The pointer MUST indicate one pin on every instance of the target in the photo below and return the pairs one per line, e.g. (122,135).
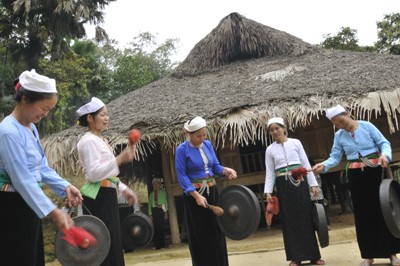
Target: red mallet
(79,237)
(298,172)
(134,136)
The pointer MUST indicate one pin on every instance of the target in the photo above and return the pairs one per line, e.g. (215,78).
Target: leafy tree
(8,72)
(389,34)
(71,76)
(117,72)
(142,63)
(38,28)
(345,39)
(101,59)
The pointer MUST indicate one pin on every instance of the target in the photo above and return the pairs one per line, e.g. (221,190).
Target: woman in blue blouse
(23,171)
(196,164)
(367,152)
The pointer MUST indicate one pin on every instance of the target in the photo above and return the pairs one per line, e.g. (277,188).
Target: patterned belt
(108,183)
(10,187)
(284,171)
(203,184)
(358,165)
(198,183)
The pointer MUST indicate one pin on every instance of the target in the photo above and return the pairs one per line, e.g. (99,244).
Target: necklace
(288,175)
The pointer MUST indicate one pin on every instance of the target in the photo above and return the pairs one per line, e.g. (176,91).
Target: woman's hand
(383,161)
(200,200)
(314,190)
(61,219)
(269,198)
(230,173)
(74,196)
(127,154)
(318,168)
(130,196)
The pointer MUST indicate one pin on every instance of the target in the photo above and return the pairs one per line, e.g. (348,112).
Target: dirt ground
(264,247)
(338,254)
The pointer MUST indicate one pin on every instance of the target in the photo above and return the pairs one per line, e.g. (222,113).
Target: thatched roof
(237,77)
(238,38)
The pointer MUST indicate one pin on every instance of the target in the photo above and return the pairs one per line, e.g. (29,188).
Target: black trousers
(105,207)
(207,243)
(297,223)
(373,237)
(21,238)
(158,221)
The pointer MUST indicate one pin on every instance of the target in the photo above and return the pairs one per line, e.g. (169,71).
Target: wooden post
(173,217)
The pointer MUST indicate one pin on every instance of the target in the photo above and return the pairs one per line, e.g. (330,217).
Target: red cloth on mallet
(271,210)
(78,236)
(298,172)
(134,136)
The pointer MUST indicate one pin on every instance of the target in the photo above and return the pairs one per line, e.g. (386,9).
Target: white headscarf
(334,111)
(195,124)
(91,107)
(275,120)
(32,81)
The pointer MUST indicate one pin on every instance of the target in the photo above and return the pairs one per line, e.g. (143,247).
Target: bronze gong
(241,212)
(320,223)
(137,231)
(69,255)
(389,194)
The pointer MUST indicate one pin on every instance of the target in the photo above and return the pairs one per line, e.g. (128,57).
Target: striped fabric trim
(357,165)
(7,188)
(286,170)
(108,183)
(199,185)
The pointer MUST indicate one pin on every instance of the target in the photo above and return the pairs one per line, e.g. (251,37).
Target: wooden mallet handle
(215,209)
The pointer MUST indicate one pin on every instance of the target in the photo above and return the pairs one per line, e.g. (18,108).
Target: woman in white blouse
(281,157)
(101,168)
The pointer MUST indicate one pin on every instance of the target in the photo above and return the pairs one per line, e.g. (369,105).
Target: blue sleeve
(180,167)
(16,164)
(336,153)
(380,141)
(51,177)
(54,180)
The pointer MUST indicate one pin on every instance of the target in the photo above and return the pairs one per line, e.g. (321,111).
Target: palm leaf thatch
(237,77)
(237,38)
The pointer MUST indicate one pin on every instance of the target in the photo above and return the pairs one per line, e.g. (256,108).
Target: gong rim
(242,212)
(137,231)
(69,255)
(389,194)
(321,225)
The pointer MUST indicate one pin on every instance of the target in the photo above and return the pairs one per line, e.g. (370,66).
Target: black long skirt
(105,207)
(159,233)
(21,238)
(207,243)
(373,237)
(297,223)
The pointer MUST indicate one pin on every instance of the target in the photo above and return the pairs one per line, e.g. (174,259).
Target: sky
(190,21)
